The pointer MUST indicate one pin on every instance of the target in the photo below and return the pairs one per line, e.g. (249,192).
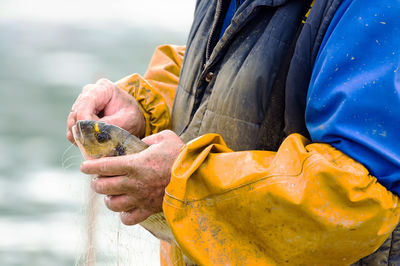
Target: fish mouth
(77,133)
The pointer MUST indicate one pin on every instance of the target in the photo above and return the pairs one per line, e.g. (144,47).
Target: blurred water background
(49,49)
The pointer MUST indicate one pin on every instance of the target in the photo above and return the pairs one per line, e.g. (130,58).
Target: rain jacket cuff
(150,101)
(155,92)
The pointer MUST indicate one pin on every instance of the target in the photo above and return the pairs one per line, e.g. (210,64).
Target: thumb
(86,115)
(159,137)
(114,119)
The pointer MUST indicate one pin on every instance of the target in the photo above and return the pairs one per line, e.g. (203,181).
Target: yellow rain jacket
(155,92)
(306,204)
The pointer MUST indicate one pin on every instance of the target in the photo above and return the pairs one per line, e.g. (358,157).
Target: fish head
(97,139)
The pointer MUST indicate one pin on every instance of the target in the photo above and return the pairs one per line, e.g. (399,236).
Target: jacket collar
(244,14)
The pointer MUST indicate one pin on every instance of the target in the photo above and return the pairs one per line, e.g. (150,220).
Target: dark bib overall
(250,86)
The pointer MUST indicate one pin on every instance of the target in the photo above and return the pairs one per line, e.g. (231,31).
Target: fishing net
(107,241)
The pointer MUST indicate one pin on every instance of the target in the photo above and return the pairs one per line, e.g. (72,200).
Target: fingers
(119,203)
(159,137)
(120,197)
(126,204)
(73,117)
(110,185)
(134,216)
(92,100)
(71,121)
(116,119)
(109,166)
(123,111)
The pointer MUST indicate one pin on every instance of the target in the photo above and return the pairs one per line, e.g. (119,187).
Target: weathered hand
(117,106)
(135,183)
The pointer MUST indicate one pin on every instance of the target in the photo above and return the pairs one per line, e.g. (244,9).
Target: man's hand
(135,183)
(117,107)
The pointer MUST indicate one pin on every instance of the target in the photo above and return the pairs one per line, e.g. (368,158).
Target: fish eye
(103,137)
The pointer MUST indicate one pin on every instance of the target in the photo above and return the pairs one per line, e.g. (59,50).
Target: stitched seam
(234,118)
(241,186)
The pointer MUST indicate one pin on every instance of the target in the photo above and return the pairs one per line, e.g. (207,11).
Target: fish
(98,139)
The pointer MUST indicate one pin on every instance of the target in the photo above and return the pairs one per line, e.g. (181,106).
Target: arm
(308,203)
(353,99)
(148,111)
(164,69)
(155,92)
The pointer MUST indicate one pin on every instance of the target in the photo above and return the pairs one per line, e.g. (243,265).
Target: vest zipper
(210,45)
(214,29)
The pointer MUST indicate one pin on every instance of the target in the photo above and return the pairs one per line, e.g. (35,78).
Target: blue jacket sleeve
(353,101)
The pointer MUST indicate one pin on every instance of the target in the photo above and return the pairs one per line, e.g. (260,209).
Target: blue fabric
(229,15)
(353,100)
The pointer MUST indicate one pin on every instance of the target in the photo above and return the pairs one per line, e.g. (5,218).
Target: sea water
(49,49)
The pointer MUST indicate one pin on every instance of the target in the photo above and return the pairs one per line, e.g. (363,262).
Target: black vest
(251,87)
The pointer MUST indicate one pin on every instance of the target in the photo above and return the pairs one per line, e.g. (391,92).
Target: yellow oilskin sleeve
(150,101)
(306,204)
(163,71)
(156,90)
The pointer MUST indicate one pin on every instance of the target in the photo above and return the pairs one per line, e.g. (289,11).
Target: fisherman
(305,166)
